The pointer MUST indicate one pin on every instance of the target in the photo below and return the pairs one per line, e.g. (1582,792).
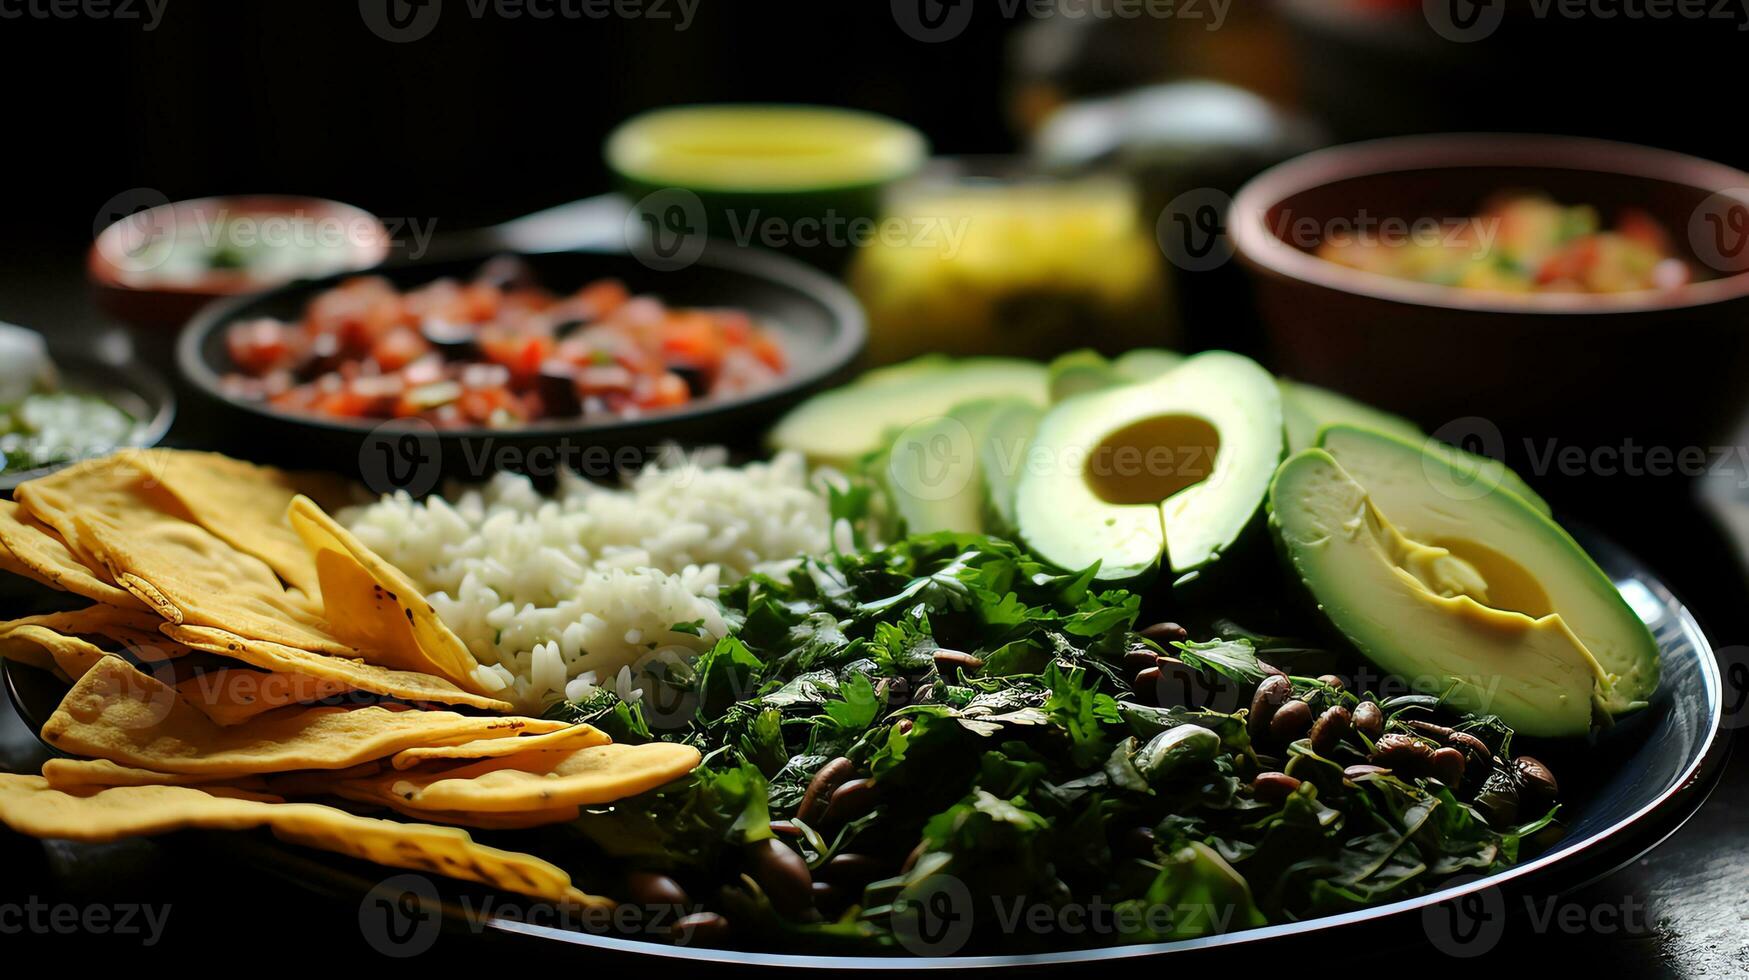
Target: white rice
(555,596)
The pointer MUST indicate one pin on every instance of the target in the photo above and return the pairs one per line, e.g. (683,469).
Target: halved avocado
(1146,363)
(1409,606)
(1308,408)
(1179,465)
(1530,564)
(846,424)
(1475,469)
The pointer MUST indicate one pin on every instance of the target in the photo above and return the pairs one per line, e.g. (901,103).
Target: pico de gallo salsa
(1523,243)
(497,351)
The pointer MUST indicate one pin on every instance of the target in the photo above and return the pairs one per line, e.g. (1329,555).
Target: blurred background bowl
(124,382)
(1668,368)
(158,266)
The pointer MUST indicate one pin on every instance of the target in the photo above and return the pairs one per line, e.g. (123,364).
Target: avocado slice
(1410,606)
(1002,457)
(1308,408)
(933,471)
(1078,372)
(1530,563)
(844,425)
(1476,470)
(1178,465)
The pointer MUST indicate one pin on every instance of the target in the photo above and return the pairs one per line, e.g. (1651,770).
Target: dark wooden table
(1681,911)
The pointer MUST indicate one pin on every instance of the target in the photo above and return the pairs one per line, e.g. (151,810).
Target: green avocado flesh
(1421,612)
(846,424)
(1079,372)
(1178,465)
(1530,564)
(934,474)
(1308,408)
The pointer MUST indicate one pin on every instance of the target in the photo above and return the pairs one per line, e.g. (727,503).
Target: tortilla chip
(405,684)
(564,740)
(37,553)
(544,780)
(187,575)
(64,642)
(28,804)
(235,695)
(243,504)
(375,606)
(104,485)
(117,713)
(77,775)
(378,794)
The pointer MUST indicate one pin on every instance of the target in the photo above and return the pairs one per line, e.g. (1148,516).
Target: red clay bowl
(149,268)
(1665,368)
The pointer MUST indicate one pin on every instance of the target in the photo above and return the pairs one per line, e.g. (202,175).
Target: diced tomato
(344,403)
(693,338)
(479,302)
(258,346)
(521,353)
(479,405)
(767,349)
(666,391)
(603,296)
(1571,263)
(398,348)
(1641,227)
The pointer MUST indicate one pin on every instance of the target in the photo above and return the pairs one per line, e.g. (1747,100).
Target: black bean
(1404,754)
(1498,798)
(1273,787)
(1291,721)
(1438,733)
(1369,719)
(701,929)
(851,869)
(821,787)
(1139,658)
(1537,783)
(852,800)
(652,889)
(1330,729)
(784,876)
(557,385)
(783,828)
(1272,693)
(1164,633)
(1355,772)
(1447,766)
(1330,680)
(1146,684)
(1470,745)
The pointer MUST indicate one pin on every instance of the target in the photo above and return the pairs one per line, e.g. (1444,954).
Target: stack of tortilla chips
(242,649)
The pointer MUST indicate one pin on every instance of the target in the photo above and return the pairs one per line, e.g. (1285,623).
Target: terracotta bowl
(1666,368)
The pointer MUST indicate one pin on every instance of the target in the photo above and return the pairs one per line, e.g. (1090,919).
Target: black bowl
(819,322)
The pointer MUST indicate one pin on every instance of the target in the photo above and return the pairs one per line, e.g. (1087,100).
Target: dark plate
(819,322)
(1629,790)
(132,387)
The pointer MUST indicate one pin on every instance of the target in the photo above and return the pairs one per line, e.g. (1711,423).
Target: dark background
(489,118)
